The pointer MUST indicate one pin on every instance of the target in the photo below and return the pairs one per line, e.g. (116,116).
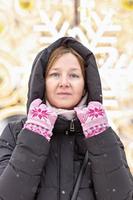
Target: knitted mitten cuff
(95,130)
(39,130)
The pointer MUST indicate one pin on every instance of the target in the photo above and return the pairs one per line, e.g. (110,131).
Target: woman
(41,156)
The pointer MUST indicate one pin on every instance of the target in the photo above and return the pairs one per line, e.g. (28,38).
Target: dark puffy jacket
(33,169)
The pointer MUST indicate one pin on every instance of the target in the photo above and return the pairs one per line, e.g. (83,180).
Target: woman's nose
(64,82)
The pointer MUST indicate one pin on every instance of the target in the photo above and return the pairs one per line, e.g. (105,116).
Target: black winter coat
(31,168)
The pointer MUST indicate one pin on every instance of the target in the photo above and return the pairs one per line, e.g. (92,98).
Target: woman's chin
(65,105)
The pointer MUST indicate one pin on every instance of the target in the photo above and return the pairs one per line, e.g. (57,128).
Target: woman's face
(65,82)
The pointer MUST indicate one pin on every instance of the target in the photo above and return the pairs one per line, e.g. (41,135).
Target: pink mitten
(93,119)
(41,119)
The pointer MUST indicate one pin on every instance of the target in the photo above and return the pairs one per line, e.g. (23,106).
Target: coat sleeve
(111,176)
(21,164)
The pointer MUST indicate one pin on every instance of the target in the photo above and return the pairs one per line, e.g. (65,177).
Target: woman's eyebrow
(55,69)
(74,69)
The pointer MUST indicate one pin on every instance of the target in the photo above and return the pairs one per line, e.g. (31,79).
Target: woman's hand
(41,119)
(93,119)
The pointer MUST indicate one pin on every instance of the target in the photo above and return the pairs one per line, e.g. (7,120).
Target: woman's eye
(54,74)
(74,75)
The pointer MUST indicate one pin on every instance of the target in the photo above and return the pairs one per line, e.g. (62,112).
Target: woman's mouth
(64,94)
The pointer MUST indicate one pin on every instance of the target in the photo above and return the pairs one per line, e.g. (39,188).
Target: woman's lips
(64,94)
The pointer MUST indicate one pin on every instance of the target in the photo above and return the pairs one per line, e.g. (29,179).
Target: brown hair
(57,53)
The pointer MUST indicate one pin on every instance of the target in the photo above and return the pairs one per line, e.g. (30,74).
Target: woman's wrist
(39,130)
(95,131)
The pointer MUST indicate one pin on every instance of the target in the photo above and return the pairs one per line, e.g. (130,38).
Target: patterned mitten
(93,119)
(41,119)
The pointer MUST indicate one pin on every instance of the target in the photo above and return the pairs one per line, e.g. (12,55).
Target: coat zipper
(72,128)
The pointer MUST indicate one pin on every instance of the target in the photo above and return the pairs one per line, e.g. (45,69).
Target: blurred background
(105,27)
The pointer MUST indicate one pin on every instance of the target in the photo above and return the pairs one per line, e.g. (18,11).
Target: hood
(36,86)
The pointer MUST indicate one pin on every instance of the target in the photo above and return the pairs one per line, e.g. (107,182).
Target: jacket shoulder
(11,131)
